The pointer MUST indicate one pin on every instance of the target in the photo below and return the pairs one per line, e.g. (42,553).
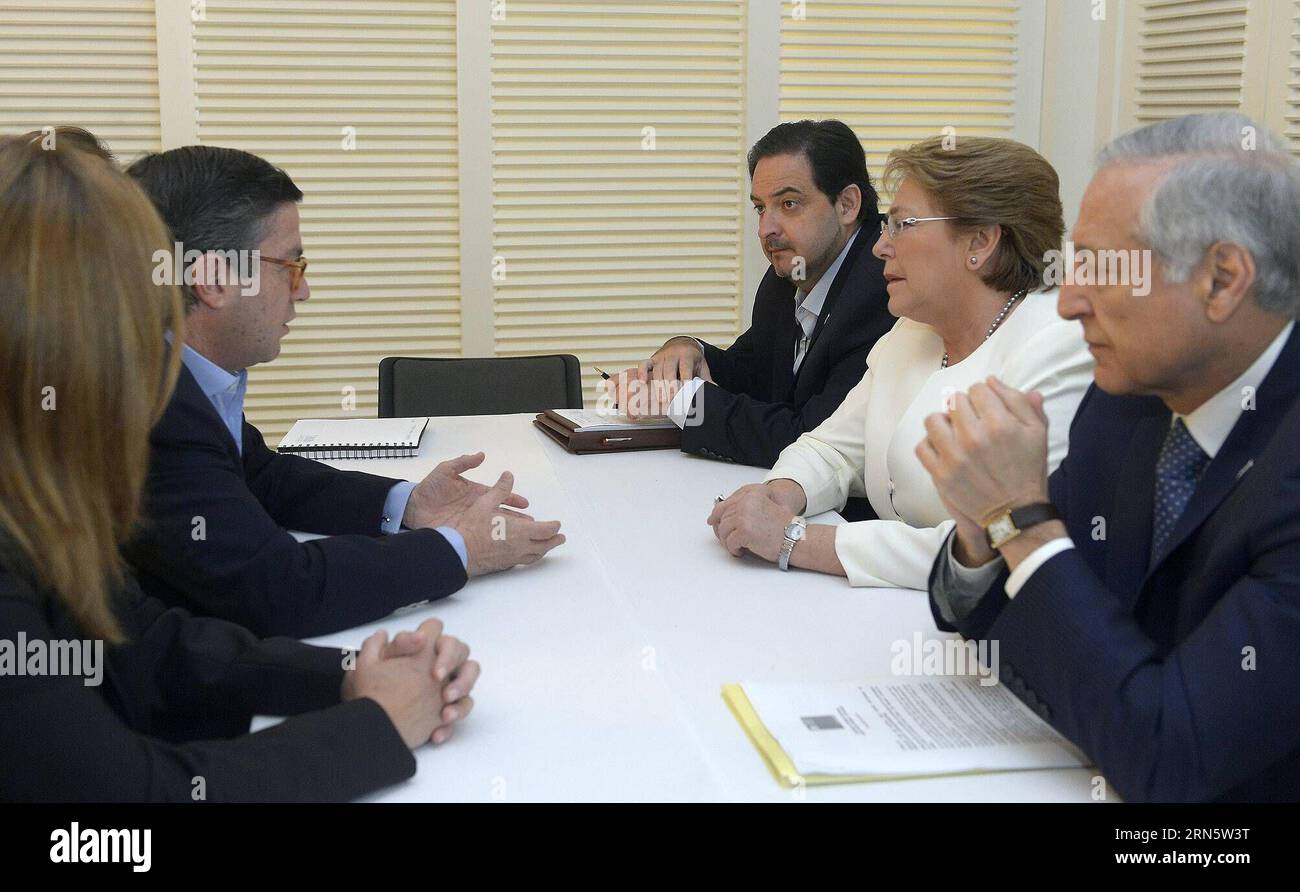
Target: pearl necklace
(996,322)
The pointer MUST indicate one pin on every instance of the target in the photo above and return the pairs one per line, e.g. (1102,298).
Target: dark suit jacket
(758,405)
(248,569)
(1181,680)
(174,705)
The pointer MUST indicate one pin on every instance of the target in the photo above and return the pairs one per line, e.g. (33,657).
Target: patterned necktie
(1178,468)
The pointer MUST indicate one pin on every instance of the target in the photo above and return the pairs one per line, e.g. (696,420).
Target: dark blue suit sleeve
(1193,715)
(753,432)
(1189,726)
(302,494)
(65,741)
(976,623)
(734,368)
(217,544)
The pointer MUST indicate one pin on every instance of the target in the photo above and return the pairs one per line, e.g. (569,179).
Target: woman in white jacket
(967,246)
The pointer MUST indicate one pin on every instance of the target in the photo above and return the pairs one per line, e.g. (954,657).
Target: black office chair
(411,387)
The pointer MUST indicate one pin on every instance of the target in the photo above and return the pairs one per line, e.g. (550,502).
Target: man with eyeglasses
(818,311)
(220,502)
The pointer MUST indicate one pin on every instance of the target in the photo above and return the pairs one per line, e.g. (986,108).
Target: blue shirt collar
(212,379)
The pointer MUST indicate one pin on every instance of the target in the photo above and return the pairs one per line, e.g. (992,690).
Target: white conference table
(603,664)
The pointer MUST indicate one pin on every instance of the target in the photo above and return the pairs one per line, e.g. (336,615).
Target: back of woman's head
(85,367)
(79,137)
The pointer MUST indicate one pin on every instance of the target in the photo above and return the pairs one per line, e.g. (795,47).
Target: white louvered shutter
(380,223)
(1291,125)
(1189,56)
(608,247)
(897,72)
(89,63)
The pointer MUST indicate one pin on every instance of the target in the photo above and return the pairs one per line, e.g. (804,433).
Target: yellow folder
(778,762)
(782,766)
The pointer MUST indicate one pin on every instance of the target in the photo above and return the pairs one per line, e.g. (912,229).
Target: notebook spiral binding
(384,450)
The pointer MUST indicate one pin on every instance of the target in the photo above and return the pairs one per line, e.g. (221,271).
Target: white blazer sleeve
(888,553)
(1057,363)
(894,554)
(828,460)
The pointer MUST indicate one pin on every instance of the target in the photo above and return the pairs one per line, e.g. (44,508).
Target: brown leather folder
(583,442)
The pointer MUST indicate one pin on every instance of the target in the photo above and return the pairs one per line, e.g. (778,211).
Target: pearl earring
(974,260)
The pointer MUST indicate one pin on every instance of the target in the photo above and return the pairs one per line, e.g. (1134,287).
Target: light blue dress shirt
(226,393)
(224,390)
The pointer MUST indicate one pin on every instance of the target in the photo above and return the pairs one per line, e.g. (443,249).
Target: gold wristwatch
(1009,524)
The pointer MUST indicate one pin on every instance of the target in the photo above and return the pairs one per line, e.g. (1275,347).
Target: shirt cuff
(682,408)
(1039,556)
(395,507)
(958,590)
(457,542)
(972,579)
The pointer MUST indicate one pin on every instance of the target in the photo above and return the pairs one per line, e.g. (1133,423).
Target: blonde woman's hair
(80,137)
(85,366)
(984,180)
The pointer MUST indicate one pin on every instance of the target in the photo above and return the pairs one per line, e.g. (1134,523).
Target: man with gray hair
(1146,597)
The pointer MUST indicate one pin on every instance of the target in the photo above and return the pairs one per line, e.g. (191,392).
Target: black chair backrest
(411,387)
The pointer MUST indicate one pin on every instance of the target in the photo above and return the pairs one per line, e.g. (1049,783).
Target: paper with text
(896,727)
(593,420)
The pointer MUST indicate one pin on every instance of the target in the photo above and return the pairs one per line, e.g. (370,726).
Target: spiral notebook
(355,438)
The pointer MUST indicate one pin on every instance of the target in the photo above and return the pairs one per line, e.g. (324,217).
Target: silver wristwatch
(795,530)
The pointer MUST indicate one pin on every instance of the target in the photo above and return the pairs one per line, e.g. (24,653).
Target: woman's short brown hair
(983,180)
(85,366)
